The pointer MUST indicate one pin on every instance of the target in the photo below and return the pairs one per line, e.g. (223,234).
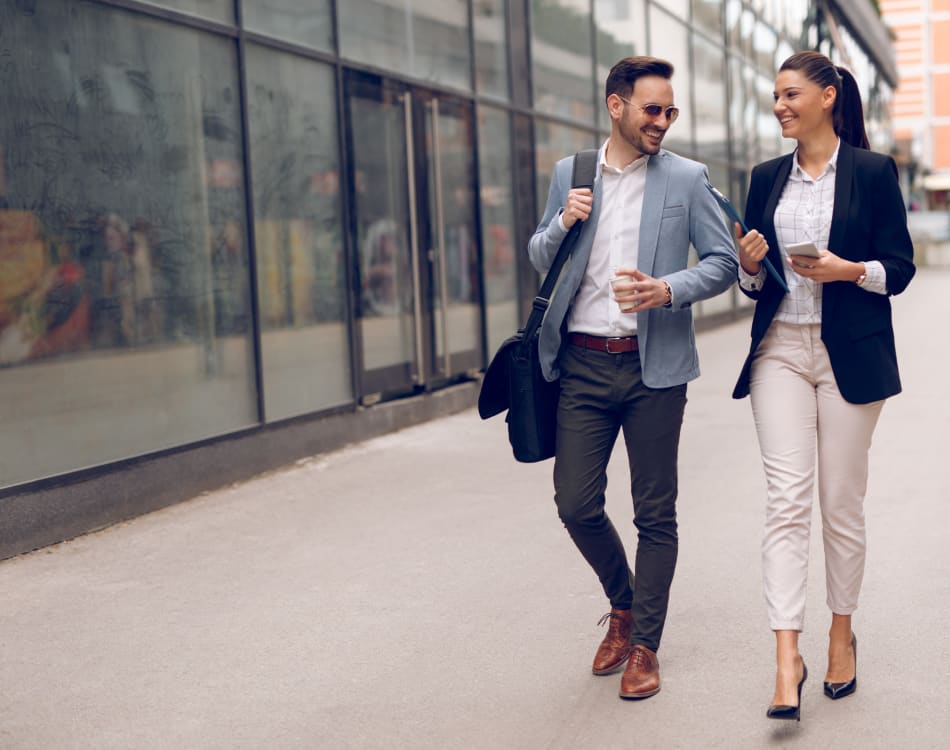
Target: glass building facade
(220,216)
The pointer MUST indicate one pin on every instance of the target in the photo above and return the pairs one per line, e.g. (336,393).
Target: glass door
(412,178)
(452,238)
(386,236)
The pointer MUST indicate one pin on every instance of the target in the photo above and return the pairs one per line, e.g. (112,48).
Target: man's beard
(636,139)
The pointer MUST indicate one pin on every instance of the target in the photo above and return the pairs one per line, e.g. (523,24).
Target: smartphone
(807,249)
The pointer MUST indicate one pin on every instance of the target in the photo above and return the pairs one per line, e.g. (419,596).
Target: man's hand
(639,290)
(579,202)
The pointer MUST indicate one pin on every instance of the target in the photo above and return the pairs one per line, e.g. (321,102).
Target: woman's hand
(826,267)
(752,249)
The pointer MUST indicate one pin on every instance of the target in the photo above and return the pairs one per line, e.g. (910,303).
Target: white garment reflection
(385,283)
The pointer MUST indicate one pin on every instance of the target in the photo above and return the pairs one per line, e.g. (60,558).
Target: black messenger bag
(514,380)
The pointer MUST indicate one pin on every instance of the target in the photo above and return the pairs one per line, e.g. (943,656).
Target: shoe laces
(637,656)
(615,624)
(606,617)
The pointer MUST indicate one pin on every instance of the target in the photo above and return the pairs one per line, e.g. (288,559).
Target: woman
(822,359)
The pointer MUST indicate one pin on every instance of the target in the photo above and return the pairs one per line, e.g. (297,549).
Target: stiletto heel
(836,690)
(790,712)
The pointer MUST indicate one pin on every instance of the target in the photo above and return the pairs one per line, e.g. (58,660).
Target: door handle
(440,237)
(418,375)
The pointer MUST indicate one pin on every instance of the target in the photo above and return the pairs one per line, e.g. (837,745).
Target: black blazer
(868,223)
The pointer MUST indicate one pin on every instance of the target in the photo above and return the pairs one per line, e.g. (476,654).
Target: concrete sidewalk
(418,591)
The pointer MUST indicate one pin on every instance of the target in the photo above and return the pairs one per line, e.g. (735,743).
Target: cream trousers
(799,413)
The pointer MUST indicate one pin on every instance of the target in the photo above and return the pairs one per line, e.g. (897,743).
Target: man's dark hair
(625,73)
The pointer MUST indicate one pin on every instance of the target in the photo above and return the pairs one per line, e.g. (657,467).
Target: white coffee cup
(626,306)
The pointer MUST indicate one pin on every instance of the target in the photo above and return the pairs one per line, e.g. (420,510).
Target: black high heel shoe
(792,713)
(836,690)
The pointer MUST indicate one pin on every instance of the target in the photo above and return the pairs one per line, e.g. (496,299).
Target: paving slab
(418,591)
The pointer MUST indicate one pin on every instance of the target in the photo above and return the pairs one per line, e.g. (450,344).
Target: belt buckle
(607,341)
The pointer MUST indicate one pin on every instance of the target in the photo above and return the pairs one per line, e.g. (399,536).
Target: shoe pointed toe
(837,690)
(790,713)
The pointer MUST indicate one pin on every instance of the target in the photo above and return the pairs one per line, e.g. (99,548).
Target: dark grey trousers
(601,394)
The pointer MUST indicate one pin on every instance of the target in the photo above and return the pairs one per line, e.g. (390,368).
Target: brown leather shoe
(615,648)
(641,678)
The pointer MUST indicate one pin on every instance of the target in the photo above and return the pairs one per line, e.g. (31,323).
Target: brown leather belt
(612,345)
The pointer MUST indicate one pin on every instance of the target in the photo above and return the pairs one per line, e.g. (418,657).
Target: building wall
(220,220)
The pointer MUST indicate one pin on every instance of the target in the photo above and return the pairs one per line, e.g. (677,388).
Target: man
(628,370)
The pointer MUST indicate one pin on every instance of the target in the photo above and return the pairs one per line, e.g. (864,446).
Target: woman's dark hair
(848,112)
(623,76)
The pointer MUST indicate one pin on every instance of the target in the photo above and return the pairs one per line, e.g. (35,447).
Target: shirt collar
(831,166)
(632,166)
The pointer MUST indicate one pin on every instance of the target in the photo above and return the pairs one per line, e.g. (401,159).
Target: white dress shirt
(803,214)
(616,242)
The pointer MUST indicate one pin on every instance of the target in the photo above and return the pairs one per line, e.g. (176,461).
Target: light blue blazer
(677,210)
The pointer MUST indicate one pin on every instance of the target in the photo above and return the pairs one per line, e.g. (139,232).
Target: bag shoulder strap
(585,168)
(582,176)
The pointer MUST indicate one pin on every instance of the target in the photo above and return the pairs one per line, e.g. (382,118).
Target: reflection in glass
(383,241)
(669,39)
(621,32)
(124,300)
(679,8)
(732,17)
(491,48)
(562,59)
(746,32)
(299,233)
(554,142)
(764,42)
(795,13)
(782,52)
(706,16)
(770,134)
(711,128)
(742,112)
(450,148)
(426,39)
(220,10)
(498,221)
(307,23)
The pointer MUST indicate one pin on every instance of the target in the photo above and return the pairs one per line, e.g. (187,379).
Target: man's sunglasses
(654,110)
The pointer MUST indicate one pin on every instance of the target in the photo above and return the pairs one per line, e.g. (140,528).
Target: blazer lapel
(844,173)
(778,185)
(654,195)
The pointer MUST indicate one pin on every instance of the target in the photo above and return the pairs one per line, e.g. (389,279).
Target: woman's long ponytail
(849,112)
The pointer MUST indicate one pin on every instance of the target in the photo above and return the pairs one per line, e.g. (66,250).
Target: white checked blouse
(804,214)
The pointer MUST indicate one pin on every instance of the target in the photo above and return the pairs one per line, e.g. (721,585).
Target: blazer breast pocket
(670,212)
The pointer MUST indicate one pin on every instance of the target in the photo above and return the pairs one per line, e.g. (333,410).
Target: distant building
(921,106)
